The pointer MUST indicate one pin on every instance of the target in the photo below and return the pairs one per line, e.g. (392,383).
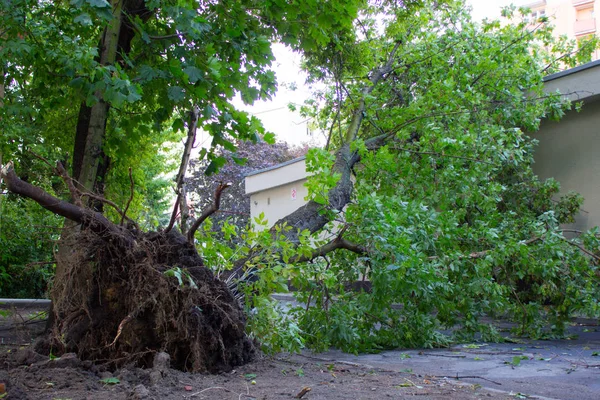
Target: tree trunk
(91,126)
(311,216)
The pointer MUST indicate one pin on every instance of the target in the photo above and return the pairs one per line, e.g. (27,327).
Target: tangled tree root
(122,301)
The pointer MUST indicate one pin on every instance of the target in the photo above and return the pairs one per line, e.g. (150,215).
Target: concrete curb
(25,303)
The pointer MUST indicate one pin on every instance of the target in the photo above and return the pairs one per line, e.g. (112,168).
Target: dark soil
(27,375)
(128,295)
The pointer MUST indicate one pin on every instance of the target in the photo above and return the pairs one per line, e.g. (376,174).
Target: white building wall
(277,191)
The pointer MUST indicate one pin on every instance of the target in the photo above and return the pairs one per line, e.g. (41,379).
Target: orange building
(577,19)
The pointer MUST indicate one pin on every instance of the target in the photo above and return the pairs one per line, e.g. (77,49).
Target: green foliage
(183,277)
(173,55)
(453,222)
(27,238)
(267,320)
(319,166)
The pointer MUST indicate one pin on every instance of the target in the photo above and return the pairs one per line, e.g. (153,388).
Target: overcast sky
(290,126)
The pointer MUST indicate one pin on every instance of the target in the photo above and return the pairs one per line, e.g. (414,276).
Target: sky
(290,126)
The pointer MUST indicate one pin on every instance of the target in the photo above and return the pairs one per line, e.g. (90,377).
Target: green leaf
(83,19)
(215,164)
(209,112)
(178,125)
(176,93)
(77,83)
(175,272)
(269,138)
(194,74)
(239,160)
(98,3)
(110,381)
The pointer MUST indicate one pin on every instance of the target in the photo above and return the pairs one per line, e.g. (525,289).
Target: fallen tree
(427,173)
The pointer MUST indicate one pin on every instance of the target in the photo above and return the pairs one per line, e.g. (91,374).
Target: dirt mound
(123,299)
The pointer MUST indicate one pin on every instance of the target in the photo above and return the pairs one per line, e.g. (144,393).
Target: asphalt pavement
(532,369)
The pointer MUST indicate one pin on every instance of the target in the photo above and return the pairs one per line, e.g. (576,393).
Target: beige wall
(278,202)
(581,85)
(278,191)
(569,151)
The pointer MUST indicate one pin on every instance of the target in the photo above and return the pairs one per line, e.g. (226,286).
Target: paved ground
(561,369)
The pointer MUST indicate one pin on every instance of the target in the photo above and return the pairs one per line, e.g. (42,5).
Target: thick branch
(181,201)
(376,76)
(94,220)
(311,216)
(337,243)
(173,214)
(214,207)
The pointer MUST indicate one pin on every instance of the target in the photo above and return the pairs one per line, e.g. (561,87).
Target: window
(585,14)
(535,16)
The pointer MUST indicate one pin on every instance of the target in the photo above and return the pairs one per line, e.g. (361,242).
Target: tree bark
(89,160)
(181,190)
(312,215)
(94,220)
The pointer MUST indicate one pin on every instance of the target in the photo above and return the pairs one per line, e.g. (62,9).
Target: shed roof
(579,83)
(277,175)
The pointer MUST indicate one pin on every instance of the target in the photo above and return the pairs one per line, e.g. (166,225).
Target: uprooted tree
(424,108)
(114,81)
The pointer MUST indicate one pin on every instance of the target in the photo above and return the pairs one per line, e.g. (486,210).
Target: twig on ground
(459,377)
(304,390)
(441,355)
(218,388)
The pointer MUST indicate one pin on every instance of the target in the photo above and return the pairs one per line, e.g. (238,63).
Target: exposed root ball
(122,301)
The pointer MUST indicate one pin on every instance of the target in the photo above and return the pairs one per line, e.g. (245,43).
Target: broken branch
(94,220)
(123,216)
(112,204)
(214,207)
(483,253)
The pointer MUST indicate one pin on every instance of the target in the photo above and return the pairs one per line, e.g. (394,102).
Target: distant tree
(249,157)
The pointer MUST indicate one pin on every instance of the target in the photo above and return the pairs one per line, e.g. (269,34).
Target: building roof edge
(277,166)
(572,71)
